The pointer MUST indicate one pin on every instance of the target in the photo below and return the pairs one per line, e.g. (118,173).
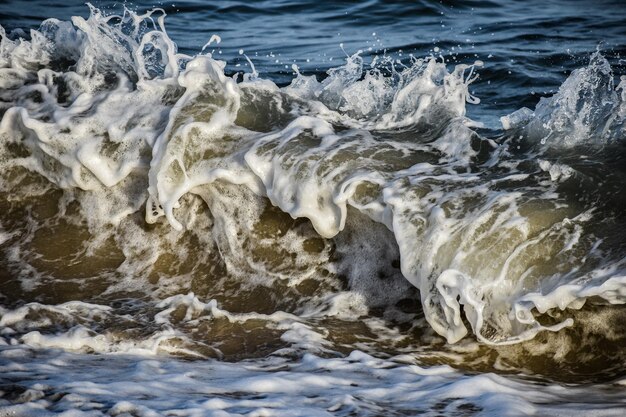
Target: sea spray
(122,124)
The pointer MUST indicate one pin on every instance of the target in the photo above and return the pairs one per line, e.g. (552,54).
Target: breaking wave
(491,227)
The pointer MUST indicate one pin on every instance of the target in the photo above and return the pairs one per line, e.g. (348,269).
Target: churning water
(313,209)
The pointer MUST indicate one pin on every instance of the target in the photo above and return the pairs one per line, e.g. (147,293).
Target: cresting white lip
(397,148)
(181,238)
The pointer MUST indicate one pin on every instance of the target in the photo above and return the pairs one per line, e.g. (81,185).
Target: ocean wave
(587,110)
(107,109)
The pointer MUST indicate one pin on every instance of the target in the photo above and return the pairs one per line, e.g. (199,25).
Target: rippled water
(346,208)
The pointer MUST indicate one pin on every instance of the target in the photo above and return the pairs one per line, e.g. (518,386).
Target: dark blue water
(529,47)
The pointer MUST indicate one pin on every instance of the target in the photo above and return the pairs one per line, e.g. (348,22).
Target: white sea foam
(587,110)
(132,122)
(78,384)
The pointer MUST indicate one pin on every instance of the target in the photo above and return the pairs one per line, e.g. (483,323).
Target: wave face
(154,202)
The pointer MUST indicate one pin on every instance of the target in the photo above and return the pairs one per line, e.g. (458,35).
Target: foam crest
(122,123)
(423,92)
(587,110)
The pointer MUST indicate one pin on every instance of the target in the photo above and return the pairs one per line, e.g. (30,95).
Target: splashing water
(361,212)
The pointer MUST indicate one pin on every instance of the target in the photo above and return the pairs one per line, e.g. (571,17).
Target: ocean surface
(308,208)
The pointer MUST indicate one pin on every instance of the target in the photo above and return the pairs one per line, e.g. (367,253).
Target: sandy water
(365,209)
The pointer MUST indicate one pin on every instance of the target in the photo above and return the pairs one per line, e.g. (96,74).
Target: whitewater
(181,236)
